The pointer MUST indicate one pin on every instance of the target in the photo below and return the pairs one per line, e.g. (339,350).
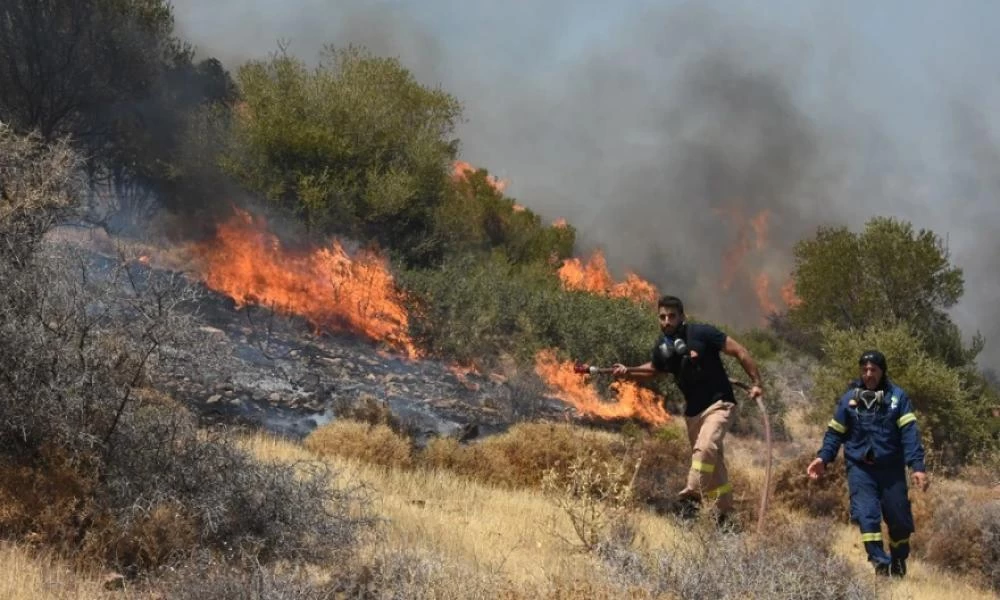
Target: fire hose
(584,369)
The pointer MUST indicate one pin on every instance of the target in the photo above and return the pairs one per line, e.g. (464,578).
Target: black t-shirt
(702,380)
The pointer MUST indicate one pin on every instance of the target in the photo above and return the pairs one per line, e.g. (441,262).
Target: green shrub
(476,217)
(887,273)
(764,345)
(474,309)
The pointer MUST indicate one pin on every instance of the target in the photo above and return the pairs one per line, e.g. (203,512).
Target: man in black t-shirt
(692,353)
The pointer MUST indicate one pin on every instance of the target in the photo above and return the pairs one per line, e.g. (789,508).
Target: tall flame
(788,294)
(326,286)
(752,238)
(572,388)
(734,257)
(593,276)
(762,286)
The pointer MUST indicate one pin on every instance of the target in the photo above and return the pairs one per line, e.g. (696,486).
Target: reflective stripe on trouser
(877,494)
(708,475)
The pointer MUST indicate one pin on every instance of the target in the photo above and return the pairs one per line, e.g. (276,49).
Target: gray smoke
(660,132)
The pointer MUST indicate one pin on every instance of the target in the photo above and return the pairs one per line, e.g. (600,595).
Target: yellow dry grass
(471,540)
(923,581)
(31,577)
(476,529)
(486,534)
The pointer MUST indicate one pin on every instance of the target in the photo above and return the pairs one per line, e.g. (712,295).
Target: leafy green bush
(475,217)
(473,308)
(764,345)
(886,273)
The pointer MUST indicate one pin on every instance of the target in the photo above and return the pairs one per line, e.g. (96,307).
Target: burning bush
(376,174)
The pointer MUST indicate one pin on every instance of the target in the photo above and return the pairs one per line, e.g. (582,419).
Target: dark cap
(875,357)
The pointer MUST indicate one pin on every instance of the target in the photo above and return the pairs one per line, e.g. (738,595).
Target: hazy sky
(640,121)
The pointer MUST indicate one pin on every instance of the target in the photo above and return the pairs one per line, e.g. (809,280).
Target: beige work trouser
(708,479)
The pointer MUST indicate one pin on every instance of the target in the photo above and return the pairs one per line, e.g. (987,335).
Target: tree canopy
(887,273)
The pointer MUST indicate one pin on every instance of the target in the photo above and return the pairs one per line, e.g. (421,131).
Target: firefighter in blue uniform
(874,421)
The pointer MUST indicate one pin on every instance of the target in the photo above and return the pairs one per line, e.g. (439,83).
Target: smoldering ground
(665,134)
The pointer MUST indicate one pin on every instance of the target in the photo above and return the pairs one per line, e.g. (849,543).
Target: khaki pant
(707,479)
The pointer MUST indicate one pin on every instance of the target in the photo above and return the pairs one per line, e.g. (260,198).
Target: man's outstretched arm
(645,371)
(739,351)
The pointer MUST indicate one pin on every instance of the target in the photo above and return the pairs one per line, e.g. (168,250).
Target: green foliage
(888,272)
(477,217)
(472,309)
(359,147)
(355,146)
(953,410)
(763,344)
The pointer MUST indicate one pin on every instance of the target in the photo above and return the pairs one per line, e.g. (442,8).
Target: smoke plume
(694,146)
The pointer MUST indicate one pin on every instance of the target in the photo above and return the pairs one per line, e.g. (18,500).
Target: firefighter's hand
(756,392)
(920,480)
(816,468)
(619,370)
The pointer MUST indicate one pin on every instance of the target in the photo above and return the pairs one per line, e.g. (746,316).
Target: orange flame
(572,388)
(752,235)
(734,257)
(326,286)
(461,169)
(594,277)
(559,223)
(763,288)
(788,294)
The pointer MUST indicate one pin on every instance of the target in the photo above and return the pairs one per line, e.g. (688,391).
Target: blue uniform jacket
(884,436)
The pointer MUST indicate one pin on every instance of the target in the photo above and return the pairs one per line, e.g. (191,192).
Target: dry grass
(449,535)
(518,458)
(489,533)
(36,577)
(372,444)
(444,535)
(923,580)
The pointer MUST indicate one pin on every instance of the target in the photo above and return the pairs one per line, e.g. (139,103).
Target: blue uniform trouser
(878,492)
